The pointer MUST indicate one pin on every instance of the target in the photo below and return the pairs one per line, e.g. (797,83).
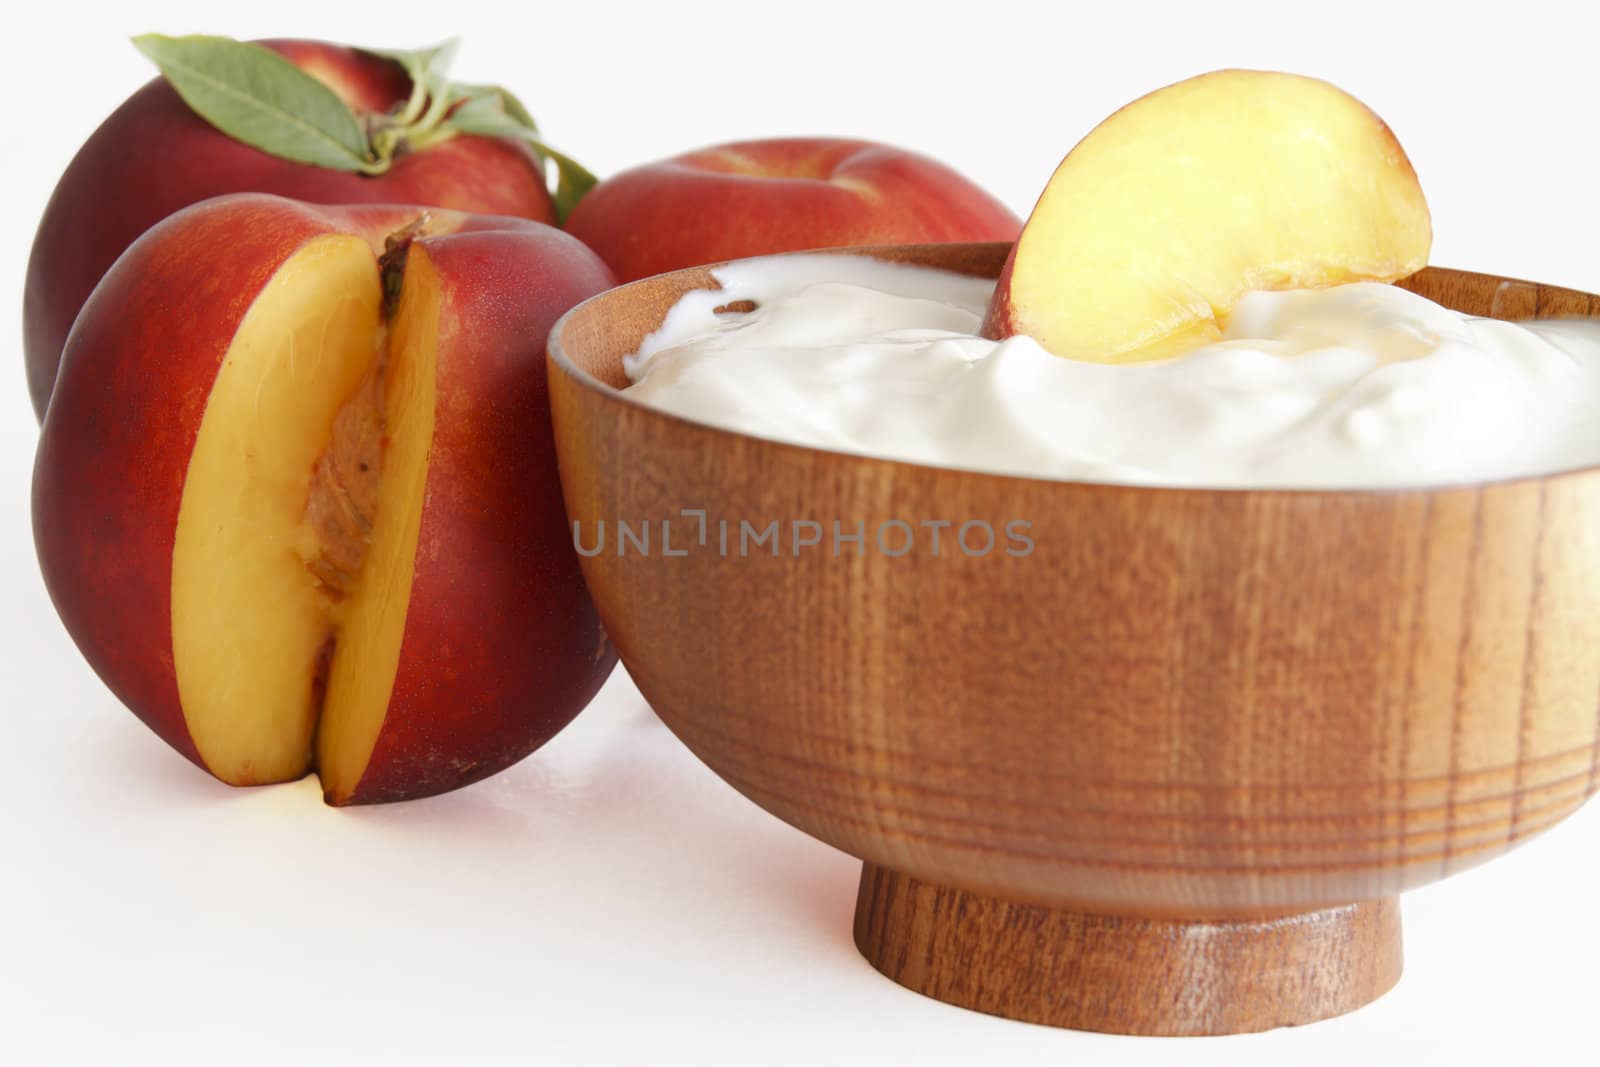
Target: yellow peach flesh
(372,620)
(249,619)
(1166,213)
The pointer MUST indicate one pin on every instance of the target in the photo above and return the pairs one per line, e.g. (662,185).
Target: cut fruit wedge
(372,620)
(1158,221)
(250,622)
(297,532)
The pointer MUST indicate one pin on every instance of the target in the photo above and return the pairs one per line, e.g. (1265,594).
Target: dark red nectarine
(753,198)
(154,155)
(296,495)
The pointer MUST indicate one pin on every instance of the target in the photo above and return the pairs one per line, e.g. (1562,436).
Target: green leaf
(254,95)
(421,60)
(484,113)
(573,182)
(427,68)
(512,105)
(489,115)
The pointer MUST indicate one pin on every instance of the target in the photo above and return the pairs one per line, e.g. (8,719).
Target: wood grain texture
(1125,975)
(1186,704)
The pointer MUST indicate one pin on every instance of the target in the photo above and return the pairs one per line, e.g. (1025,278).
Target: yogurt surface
(1358,386)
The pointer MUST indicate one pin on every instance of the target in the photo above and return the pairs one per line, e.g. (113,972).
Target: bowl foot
(1120,974)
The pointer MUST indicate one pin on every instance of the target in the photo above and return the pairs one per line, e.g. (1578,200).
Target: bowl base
(1121,974)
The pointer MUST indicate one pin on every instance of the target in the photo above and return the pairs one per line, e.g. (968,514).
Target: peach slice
(249,619)
(364,667)
(1159,220)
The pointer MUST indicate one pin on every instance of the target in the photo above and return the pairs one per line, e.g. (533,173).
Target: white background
(610,900)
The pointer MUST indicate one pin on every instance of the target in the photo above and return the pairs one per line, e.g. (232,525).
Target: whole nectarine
(752,198)
(155,155)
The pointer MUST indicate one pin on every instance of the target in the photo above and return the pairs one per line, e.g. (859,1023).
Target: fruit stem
(409,132)
(429,136)
(413,108)
(438,107)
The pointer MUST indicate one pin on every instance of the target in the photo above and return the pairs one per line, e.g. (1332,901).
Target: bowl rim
(556,356)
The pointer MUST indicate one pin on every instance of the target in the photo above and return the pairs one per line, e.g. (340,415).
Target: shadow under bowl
(1164,773)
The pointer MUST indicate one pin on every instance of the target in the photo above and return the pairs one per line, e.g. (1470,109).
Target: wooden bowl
(1164,775)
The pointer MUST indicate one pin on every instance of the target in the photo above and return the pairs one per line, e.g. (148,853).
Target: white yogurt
(1361,385)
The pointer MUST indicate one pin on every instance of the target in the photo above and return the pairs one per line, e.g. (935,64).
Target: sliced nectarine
(296,496)
(1167,212)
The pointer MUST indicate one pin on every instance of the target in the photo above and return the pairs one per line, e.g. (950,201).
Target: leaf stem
(419,96)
